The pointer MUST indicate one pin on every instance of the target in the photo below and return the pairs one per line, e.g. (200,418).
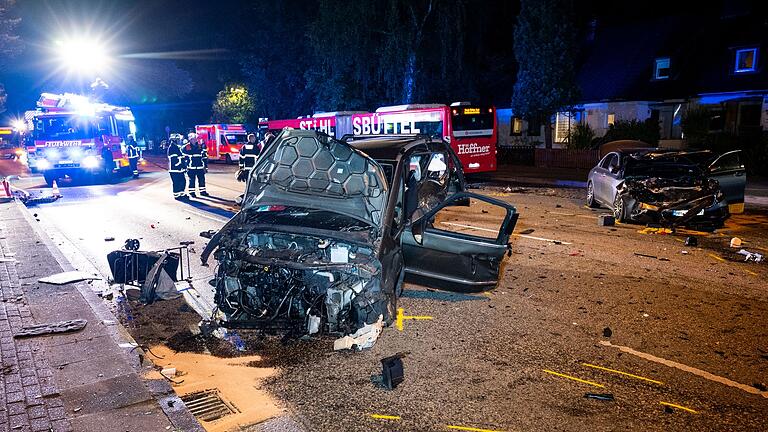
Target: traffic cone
(55,190)
(5,192)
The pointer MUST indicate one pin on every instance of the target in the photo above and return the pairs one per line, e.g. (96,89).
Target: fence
(563,158)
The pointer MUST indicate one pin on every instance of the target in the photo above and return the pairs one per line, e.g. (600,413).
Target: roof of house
(619,63)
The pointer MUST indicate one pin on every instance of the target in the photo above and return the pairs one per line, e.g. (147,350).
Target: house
(660,69)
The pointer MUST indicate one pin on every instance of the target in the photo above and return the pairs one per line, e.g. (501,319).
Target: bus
(470,129)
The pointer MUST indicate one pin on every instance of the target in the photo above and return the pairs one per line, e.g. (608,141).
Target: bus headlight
(90,162)
(42,164)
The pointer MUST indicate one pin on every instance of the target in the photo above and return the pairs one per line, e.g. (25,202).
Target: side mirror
(417,229)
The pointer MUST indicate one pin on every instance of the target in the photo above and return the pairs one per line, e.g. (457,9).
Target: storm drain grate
(207,405)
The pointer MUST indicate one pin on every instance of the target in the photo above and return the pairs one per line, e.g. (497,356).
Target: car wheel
(620,209)
(591,203)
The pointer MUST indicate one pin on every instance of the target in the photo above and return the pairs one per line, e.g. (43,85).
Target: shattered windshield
(311,170)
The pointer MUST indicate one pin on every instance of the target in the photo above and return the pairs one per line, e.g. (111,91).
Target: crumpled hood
(307,169)
(671,192)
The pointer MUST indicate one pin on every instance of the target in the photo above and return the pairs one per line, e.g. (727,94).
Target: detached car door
(459,248)
(729,171)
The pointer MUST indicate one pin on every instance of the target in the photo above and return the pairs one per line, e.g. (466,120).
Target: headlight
(19,152)
(90,162)
(43,164)
(53,154)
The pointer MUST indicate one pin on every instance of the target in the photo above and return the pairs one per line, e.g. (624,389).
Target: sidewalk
(534,176)
(89,380)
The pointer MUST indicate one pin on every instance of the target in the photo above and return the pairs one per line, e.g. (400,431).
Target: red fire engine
(222,141)
(470,129)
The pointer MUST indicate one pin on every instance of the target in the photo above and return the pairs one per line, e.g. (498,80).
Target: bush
(695,125)
(647,131)
(581,137)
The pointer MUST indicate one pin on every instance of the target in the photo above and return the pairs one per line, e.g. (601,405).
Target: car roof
(389,147)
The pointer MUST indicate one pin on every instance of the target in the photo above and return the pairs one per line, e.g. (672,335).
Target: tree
(233,105)
(545,48)
(10,42)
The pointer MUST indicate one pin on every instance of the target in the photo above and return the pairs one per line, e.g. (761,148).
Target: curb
(162,392)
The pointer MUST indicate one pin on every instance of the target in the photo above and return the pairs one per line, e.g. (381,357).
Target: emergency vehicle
(222,141)
(67,132)
(470,129)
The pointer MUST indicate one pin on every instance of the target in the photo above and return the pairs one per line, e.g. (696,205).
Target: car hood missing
(310,170)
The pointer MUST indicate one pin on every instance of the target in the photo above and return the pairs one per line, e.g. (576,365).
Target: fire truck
(470,129)
(222,141)
(67,133)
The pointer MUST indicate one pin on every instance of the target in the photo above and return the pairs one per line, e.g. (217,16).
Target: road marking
(402,317)
(750,272)
(384,417)
(702,373)
(470,429)
(717,257)
(497,231)
(573,378)
(679,407)
(217,219)
(622,373)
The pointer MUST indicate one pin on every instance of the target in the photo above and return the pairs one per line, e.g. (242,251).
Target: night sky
(211,34)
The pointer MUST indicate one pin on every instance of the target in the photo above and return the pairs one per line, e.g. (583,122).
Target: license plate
(679,213)
(64,162)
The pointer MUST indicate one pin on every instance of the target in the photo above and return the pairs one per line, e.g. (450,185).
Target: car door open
(459,249)
(729,171)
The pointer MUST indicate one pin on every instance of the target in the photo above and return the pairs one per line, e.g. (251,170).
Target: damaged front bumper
(299,285)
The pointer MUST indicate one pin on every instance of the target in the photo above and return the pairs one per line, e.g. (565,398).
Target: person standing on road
(107,160)
(132,150)
(177,167)
(197,165)
(249,153)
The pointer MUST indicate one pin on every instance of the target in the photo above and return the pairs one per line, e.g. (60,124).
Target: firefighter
(197,164)
(249,152)
(177,167)
(132,150)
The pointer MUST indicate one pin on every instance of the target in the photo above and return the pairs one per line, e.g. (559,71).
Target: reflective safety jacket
(176,161)
(197,156)
(132,151)
(249,153)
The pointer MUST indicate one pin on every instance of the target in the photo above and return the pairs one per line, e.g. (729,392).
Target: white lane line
(497,231)
(213,218)
(702,373)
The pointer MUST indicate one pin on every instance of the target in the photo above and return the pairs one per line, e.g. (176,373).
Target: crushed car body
(319,245)
(669,188)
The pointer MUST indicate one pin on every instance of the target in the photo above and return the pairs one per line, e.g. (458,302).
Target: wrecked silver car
(669,187)
(326,235)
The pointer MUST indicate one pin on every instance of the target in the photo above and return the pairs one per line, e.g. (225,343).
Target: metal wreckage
(322,245)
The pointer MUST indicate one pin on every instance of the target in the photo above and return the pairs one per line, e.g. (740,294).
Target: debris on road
(599,396)
(208,234)
(67,277)
(606,220)
(132,245)
(735,242)
(364,338)
(651,256)
(751,256)
(51,328)
(159,285)
(527,231)
(392,373)
(691,241)
(607,332)
(109,239)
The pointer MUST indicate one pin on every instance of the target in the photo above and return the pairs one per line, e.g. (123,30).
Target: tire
(591,202)
(228,159)
(49,178)
(620,209)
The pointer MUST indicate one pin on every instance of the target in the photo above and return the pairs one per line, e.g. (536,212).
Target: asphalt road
(687,347)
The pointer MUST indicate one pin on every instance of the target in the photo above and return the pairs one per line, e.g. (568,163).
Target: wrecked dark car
(669,187)
(328,232)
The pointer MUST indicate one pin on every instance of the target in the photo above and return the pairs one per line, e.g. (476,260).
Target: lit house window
(517,126)
(746,60)
(661,71)
(612,118)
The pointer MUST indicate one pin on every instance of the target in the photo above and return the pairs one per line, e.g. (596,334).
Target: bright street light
(82,55)
(19,125)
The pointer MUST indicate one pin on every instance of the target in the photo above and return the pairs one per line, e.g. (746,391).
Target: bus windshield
(63,127)
(478,123)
